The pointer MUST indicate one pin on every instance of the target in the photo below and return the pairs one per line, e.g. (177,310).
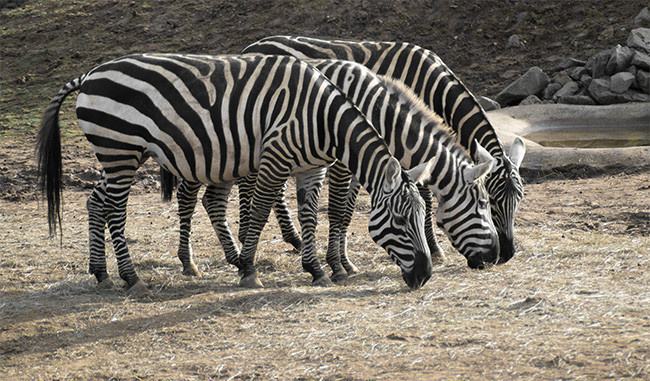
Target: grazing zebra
(425,73)
(415,135)
(213,119)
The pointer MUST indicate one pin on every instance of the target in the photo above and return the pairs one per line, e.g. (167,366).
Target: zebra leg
(118,185)
(437,257)
(186,196)
(339,185)
(290,234)
(215,202)
(309,185)
(96,230)
(269,182)
(351,204)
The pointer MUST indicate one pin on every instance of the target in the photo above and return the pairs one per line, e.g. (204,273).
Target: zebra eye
(483,203)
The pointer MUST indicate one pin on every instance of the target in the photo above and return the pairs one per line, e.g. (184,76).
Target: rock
(639,39)
(568,63)
(643,80)
(599,90)
(585,80)
(641,60)
(577,72)
(621,82)
(515,42)
(577,100)
(562,78)
(531,83)
(487,103)
(571,88)
(643,18)
(597,64)
(619,59)
(530,100)
(550,90)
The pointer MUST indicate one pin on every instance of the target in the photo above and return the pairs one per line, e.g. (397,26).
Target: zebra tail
(48,152)
(168,183)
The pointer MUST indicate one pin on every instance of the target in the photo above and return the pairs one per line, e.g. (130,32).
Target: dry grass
(573,303)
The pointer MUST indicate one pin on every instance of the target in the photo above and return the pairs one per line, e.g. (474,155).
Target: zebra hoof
(251,281)
(339,276)
(323,281)
(191,270)
(139,289)
(352,270)
(106,284)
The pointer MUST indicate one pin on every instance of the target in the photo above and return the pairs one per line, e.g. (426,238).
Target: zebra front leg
(437,257)
(339,185)
(246,187)
(215,202)
(351,204)
(309,185)
(96,238)
(187,196)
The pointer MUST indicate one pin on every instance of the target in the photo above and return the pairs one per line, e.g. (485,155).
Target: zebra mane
(408,96)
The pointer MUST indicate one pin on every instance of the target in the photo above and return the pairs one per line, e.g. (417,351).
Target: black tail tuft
(168,183)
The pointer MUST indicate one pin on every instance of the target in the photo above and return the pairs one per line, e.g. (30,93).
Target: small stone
(530,100)
(643,80)
(571,88)
(550,90)
(569,63)
(515,42)
(596,64)
(577,72)
(639,39)
(641,60)
(585,80)
(562,78)
(531,83)
(643,18)
(619,59)
(621,82)
(577,100)
(487,103)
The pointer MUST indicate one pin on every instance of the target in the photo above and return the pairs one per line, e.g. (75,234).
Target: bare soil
(574,302)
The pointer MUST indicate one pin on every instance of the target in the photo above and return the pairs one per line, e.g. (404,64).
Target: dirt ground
(574,302)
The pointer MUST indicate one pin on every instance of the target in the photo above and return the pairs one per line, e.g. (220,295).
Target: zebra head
(463,205)
(397,224)
(506,191)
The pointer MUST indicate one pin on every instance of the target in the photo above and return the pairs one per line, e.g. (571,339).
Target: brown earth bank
(572,304)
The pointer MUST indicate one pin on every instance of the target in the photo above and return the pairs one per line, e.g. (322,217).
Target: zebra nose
(506,248)
(421,271)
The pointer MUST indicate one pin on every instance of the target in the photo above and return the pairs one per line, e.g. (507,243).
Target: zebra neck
(445,172)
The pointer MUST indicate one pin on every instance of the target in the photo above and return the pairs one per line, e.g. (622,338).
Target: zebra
(416,135)
(442,91)
(213,119)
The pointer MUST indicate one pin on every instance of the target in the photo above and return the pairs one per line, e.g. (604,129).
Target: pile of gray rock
(11,4)
(617,75)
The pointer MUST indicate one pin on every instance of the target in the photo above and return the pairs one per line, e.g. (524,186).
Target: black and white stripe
(213,119)
(427,75)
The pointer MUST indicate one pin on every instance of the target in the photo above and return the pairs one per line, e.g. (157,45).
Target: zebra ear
(421,174)
(484,166)
(391,174)
(517,152)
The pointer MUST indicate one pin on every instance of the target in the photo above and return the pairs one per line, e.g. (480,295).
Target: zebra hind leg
(187,197)
(215,202)
(290,234)
(96,237)
(351,203)
(309,185)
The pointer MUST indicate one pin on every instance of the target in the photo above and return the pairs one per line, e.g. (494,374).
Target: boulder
(585,80)
(619,59)
(530,100)
(621,82)
(641,60)
(571,88)
(643,80)
(562,78)
(550,90)
(639,38)
(531,83)
(577,72)
(597,64)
